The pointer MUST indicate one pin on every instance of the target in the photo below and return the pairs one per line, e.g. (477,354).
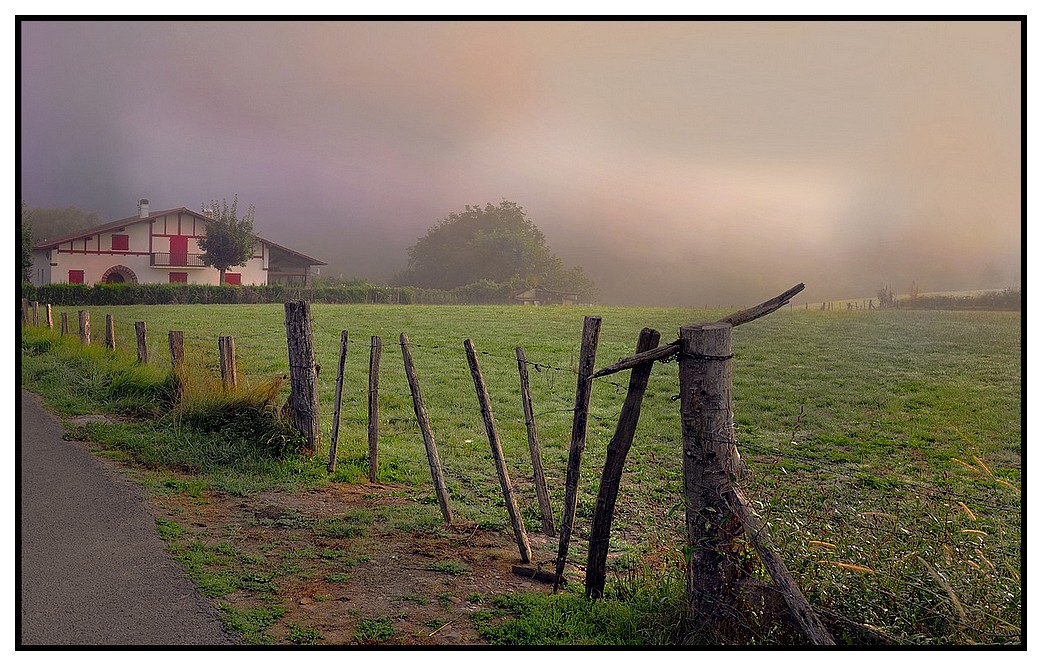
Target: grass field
(884,447)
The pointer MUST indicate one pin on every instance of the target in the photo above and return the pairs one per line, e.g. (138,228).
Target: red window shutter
(233,278)
(75,277)
(178,277)
(120,242)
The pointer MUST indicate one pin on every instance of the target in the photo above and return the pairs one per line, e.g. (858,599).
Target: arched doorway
(119,275)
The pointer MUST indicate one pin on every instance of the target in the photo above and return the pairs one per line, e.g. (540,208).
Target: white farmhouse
(159,247)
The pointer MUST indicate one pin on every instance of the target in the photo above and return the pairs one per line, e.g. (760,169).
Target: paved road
(93,571)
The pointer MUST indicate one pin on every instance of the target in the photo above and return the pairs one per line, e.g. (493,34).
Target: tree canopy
(497,243)
(229,239)
(50,223)
(25,232)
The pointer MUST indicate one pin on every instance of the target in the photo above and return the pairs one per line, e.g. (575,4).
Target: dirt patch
(353,564)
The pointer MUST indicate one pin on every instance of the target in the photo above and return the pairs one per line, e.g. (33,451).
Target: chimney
(142,208)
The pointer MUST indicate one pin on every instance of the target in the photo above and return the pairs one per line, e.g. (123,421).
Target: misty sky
(681,163)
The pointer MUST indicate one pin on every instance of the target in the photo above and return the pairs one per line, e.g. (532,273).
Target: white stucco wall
(95,257)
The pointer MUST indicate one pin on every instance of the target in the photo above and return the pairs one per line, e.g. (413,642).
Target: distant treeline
(1007,299)
(479,293)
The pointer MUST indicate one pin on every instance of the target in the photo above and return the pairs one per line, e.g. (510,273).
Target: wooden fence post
(65,323)
(110,333)
(497,453)
(433,460)
(36,313)
(177,347)
(583,389)
(375,348)
(222,357)
(303,398)
(84,316)
(50,318)
(533,446)
(331,465)
(25,310)
(707,431)
(611,477)
(142,346)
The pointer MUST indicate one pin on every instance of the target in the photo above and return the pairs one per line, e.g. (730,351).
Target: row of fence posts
(717,511)
(176,340)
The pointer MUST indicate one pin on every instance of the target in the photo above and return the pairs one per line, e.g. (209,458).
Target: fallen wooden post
(433,460)
(583,390)
(337,401)
(542,496)
(303,397)
(611,477)
(497,453)
(649,356)
(142,345)
(375,348)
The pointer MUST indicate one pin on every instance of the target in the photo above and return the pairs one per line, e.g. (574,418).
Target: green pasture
(884,446)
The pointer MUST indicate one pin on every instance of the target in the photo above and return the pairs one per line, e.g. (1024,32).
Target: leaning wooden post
(520,535)
(84,316)
(375,348)
(303,398)
(177,347)
(533,446)
(425,427)
(65,323)
(583,389)
(50,318)
(707,423)
(110,333)
(331,465)
(142,346)
(611,477)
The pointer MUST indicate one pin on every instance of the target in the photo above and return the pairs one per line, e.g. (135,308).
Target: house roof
(127,221)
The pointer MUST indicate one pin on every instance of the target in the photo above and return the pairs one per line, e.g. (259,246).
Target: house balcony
(177,260)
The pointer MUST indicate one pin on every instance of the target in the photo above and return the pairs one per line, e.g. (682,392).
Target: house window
(75,277)
(178,278)
(120,242)
(233,278)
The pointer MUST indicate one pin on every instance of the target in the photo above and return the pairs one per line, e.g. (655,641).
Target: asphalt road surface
(93,571)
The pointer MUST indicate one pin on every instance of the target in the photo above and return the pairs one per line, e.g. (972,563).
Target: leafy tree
(229,239)
(26,233)
(495,244)
(54,222)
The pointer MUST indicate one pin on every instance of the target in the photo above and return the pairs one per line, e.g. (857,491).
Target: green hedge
(170,294)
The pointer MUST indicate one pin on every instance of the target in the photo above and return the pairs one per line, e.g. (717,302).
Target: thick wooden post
(707,429)
(611,477)
(110,332)
(533,446)
(65,323)
(583,389)
(222,356)
(36,313)
(84,316)
(25,310)
(331,465)
(229,350)
(520,535)
(375,348)
(303,398)
(425,427)
(177,347)
(142,345)
(50,318)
